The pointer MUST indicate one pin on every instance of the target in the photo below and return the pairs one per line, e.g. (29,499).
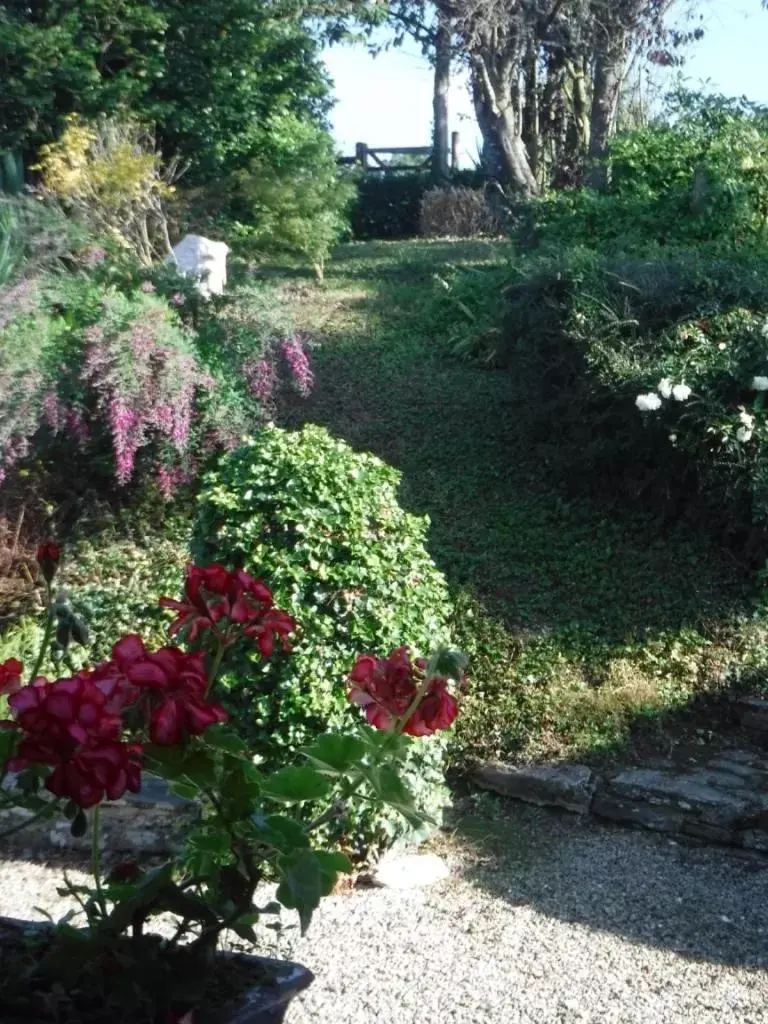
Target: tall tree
(546,78)
(208,73)
(433,30)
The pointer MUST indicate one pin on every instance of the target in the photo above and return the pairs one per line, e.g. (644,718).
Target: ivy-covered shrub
(322,523)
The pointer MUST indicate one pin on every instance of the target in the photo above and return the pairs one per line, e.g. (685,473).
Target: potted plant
(73,743)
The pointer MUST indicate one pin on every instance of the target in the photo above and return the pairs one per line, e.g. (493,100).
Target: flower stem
(215,666)
(401,723)
(96,857)
(46,635)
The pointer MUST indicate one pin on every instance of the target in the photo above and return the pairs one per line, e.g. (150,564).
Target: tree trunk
(530,115)
(441,137)
(610,60)
(516,162)
(499,112)
(493,162)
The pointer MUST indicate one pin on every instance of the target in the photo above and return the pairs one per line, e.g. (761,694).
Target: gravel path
(546,919)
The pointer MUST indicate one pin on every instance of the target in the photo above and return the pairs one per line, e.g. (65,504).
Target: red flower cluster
(10,676)
(388,687)
(174,686)
(76,726)
(216,597)
(67,725)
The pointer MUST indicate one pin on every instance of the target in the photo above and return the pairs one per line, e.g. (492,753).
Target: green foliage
(52,58)
(589,616)
(697,178)
(209,74)
(108,176)
(389,205)
(232,69)
(323,525)
(292,195)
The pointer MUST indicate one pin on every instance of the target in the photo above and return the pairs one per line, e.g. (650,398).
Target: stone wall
(724,800)
(151,823)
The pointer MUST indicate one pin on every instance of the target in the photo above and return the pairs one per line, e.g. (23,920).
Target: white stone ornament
(204,260)
(409,871)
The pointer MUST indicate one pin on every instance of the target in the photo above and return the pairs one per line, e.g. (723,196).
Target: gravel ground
(546,918)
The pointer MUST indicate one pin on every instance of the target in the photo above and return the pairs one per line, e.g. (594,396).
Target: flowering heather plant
(76,742)
(90,365)
(145,375)
(295,356)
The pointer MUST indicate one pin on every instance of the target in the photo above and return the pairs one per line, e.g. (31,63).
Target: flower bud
(48,556)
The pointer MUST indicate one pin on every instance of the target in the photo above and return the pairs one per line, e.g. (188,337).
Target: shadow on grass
(502,523)
(699,903)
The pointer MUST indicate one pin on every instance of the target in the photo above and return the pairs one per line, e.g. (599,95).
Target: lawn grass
(581,618)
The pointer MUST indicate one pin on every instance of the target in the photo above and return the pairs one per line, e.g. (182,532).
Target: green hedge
(389,205)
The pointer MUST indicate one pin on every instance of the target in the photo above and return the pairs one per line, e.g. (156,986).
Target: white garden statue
(204,260)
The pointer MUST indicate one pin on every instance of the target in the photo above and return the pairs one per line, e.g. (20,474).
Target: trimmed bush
(322,525)
(389,205)
(458,213)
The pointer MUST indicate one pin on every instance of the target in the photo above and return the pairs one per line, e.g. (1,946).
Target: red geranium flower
(387,688)
(69,711)
(106,769)
(177,686)
(67,724)
(215,595)
(10,676)
(435,711)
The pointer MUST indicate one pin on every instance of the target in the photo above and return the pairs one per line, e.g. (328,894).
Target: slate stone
(632,812)
(570,786)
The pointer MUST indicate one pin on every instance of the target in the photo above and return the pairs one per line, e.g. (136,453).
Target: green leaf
(291,831)
(221,737)
(186,790)
(335,753)
(295,785)
(216,843)
(79,825)
(389,787)
(241,788)
(245,931)
(331,866)
(448,664)
(302,884)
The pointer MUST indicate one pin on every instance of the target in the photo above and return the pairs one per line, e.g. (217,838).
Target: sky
(387,100)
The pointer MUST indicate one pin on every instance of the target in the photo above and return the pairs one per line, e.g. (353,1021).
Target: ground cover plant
(585,614)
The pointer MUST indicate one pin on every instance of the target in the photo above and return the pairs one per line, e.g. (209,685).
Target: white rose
(681,392)
(649,402)
(760,383)
(744,434)
(665,388)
